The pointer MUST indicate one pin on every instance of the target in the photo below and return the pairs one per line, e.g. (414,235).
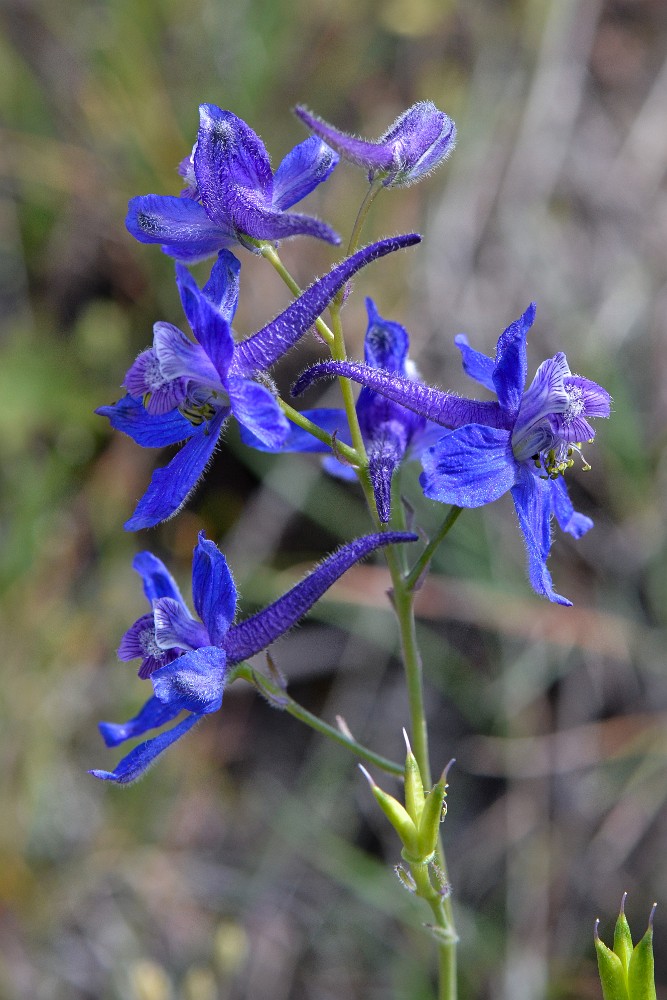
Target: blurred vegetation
(252,863)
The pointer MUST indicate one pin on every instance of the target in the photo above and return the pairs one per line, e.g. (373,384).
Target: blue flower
(390,432)
(187,660)
(417,142)
(184,391)
(232,193)
(524,443)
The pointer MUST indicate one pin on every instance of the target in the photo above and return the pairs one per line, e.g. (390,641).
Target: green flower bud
(641,975)
(414,788)
(612,973)
(626,973)
(398,816)
(429,824)
(623,937)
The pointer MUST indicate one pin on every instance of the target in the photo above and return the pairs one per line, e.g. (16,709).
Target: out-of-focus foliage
(252,862)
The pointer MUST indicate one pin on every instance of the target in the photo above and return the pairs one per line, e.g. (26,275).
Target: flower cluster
(183,389)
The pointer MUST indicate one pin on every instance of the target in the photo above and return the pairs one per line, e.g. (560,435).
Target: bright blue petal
(149,430)
(170,487)
(511,367)
(338,469)
(157,580)
(329,420)
(152,715)
(222,288)
(139,760)
(568,518)
(256,408)
(386,344)
(194,681)
(175,628)
(259,631)
(213,589)
(229,152)
(304,167)
(180,358)
(189,293)
(214,333)
(532,500)
(179,224)
(469,467)
(475,364)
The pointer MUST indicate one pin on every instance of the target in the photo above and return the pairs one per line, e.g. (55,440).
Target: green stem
(339,448)
(371,195)
(424,560)
(276,695)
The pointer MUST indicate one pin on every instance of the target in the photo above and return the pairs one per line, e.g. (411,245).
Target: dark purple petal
(386,344)
(194,681)
(475,364)
(470,467)
(140,641)
(175,628)
(139,760)
(170,487)
(227,153)
(595,400)
(129,415)
(152,715)
(250,216)
(304,167)
(331,421)
(256,408)
(222,287)
(259,631)
(214,334)
(441,407)
(532,500)
(546,396)
(145,380)
(179,224)
(511,366)
(263,349)
(158,581)
(213,589)
(568,518)
(180,358)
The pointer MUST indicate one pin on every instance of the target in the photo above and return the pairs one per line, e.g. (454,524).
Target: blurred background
(252,862)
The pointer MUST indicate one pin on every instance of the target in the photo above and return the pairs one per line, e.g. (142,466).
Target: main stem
(403,598)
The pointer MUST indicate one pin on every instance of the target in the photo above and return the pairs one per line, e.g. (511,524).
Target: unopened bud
(641,972)
(626,973)
(414,788)
(397,815)
(431,817)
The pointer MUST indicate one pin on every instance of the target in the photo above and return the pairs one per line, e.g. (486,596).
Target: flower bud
(431,817)
(398,816)
(626,973)
(414,788)
(641,974)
